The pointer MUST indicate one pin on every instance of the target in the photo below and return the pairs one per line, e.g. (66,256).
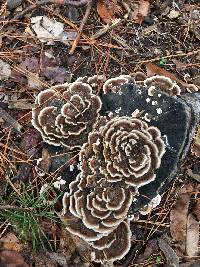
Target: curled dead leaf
(108,9)
(178,221)
(11,242)
(153,69)
(139,10)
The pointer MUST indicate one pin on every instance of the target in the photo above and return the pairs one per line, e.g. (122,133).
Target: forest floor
(44,43)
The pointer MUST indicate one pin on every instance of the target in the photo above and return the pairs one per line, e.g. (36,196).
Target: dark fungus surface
(172,115)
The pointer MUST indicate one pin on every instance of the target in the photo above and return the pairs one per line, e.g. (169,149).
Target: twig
(48,2)
(83,22)
(170,56)
(106,28)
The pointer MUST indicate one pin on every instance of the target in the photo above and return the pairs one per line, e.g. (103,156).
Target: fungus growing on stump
(65,114)
(96,210)
(163,83)
(125,149)
(121,155)
(114,84)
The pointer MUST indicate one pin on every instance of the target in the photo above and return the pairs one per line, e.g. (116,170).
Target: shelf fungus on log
(65,114)
(95,81)
(121,155)
(125,149)
(114,84)
(165,84)
(96,211)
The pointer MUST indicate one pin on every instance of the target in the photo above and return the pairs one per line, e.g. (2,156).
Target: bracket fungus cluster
(65,114)
(120,156)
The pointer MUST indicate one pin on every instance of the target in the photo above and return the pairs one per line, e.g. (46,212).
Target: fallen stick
(83,22)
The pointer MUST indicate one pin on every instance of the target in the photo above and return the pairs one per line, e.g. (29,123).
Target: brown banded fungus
(96,210)
(95,81)
(124,149)
(65,114)
(114,84)
(165,84)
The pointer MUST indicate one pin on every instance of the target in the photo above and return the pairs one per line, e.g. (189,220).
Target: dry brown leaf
(153,69)
(73,246)
(178,221)
(10,242)
(11,258)
(45,162)
(192,238)
(140,9)
(179,65)
(107,9)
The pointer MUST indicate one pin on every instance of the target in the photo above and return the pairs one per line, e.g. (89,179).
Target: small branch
(106,28)
(83,22)
(48,2)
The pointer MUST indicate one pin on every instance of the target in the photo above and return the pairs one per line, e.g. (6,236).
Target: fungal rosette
(125,150)
(96,211)
(65,114)
(163,83)
(115,84)
(95,81)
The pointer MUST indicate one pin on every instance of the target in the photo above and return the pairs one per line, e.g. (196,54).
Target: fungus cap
(96,211)
(65,114)
(124,149)
(164,83)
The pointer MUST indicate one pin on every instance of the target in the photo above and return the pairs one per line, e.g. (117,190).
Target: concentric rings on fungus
(165,84)
(96,211)
(120,156)
(125,149)
(65,114)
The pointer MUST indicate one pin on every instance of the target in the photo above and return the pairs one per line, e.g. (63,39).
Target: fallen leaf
(140,9)
(153,69)
(44,163)
(49,30)
(10,121)
(192,238)
(5,70)
(56,74)
(107,9)
(178,221)
(11,242)
(9,258)
(73,245)
(179,65)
